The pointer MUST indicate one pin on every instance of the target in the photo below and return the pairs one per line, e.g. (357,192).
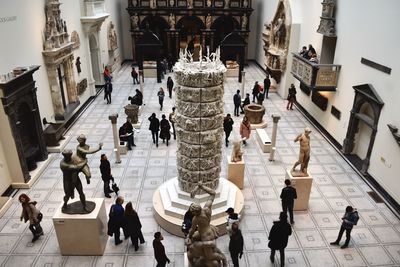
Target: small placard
(335,112)
(319,100)
(145,3)
(182,3)
(161,3)
(198,3)
(219,3)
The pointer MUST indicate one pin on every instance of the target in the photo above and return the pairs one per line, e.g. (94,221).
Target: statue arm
(193,228)
(211,192)
(90,151)
(298,138)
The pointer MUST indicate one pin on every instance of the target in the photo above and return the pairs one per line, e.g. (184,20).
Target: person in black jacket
(291,97)
(126,134)
(107,91)
(228,122)
(133,226)
(187,221)
(170,86)
(154,128)
(237,101)
(349,219)
(137,99)
(116,219)
(164,129)
(288,195)
(267,84)
(246,102)
(278,237)
(106,176)
(236,244)
(256,90)
(159,250)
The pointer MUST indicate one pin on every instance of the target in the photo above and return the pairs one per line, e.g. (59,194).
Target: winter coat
(237,100)
(288,195)
(170,84)
(279,235)
(116,218)
(236,242)
(245,130)
(132,225)
(154,124)
(228,125)
(30,212)
(164,129)
(105,170)
(350,219)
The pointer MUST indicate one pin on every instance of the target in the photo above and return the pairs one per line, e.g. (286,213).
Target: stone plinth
(303,186)
(170,204)
(83,234)
(236,172)
(264,140)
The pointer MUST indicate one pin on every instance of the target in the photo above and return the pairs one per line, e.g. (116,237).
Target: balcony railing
(320,77)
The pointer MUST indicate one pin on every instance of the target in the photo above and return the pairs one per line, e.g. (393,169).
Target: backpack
(356,217)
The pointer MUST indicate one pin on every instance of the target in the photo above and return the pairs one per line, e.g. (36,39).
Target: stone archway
(223,26)
(95,59)
(363,122)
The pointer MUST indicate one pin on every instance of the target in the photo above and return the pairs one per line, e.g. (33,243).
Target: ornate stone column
(199,120)
(275,119)
(113,118)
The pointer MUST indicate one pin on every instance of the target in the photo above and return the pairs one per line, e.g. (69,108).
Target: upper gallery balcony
(189,4)
(319,77)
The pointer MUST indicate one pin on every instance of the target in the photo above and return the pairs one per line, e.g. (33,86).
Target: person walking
(236,244)
(291,97)
(278,237)
(116,220)
(159,250)
(170,86)
(171,118)
(135,76)
(267,84)
(154,128)
(228,127)
(232,217)
(161,96)
(165,135)
(245,130)
(349,219)
(288,195)
(133,227)
(256,90)
(237,101)
(32,214)
(108,87)
(106,176)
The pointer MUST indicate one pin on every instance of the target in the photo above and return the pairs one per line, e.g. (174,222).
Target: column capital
(113,118)
(275,118)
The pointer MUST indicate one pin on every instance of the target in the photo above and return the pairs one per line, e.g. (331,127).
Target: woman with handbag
(245,130)
(32,214)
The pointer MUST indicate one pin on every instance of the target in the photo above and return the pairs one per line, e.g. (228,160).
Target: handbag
(40,217)
(115,188)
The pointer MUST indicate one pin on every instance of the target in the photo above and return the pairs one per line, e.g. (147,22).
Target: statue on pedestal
(304,154)
(202,249)
(236,153)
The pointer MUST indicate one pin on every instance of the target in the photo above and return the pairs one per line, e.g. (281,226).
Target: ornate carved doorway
(363,125)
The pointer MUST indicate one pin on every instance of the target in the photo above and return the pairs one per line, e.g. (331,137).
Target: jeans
(285,208)
(154,134)
(348,231)
(282,252)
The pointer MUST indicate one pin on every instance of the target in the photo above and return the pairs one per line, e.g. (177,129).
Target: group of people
(163,127)
(309,54)
(128,220)
(245,129)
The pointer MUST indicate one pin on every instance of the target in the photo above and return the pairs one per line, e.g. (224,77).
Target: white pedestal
(303,188)
(264,140)
(82,234)
(236,172)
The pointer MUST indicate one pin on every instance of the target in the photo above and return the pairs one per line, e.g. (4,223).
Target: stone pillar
(70,80)
(243,82)
(55,91)
(275,119)
(113,118)
(199,120)
(141,80)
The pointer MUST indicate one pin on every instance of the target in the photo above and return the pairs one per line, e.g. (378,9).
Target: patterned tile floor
(375,240)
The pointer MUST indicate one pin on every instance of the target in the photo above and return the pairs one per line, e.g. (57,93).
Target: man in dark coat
(288,195)
(237,100)
(135,76)
(159,250)
(116,219)
(246,102)
(137,99)
(107,91)
(154,128)
(228,126)
(349,219)
(278,237)
(106,176)
(165,135)
(267,84)
(236,244)
(256,90)
(170,86)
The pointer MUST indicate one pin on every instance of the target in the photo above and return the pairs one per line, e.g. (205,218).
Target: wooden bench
(264,140)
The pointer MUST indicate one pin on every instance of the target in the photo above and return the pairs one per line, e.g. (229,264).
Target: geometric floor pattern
(375,240)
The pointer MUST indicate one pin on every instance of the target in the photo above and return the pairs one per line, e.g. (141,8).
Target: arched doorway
(157,25)
(223,26)
(95,59)
(190,34)
(363,125)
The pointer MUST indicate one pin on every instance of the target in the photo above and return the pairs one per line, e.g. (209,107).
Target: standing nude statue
(304,155)
(81,151)
(201,243)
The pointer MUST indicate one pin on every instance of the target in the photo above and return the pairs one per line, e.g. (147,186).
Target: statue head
(195,209)
(81,139)
(307,131)
(67,153)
